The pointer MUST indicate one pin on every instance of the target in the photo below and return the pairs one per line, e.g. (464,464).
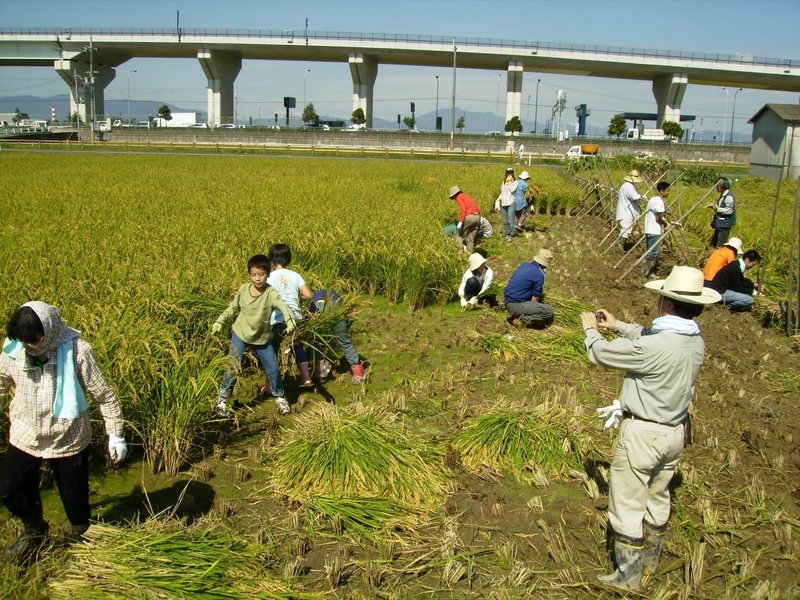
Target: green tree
(514,125)
(309,114)
(75,118)
(461,123)
(165,113)
(409,121)
(358,117)
(673,129)
(618,125)
(17,116)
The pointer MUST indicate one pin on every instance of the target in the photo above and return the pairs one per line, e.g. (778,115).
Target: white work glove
(458,225)
(464,302)
(290,326)
(474,301)
(117,448)
(755,292)
(216,328)
(611,413)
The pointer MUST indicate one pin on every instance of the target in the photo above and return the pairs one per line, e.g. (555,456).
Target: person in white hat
(628,208)
(661,364)
(505,202)
(721,257)
(476,280)
(524,293)
(521,208)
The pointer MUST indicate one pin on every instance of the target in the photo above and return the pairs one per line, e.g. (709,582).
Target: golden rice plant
(509,439)
(355,464)
(162,559)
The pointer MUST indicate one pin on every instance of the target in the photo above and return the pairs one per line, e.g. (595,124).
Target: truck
(582,150)
(179,119)
(653,135)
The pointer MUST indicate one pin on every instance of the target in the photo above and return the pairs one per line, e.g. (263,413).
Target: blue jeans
(342,333)
(279,332)
(266,356)
(509,219)
(652,246)
(736,300)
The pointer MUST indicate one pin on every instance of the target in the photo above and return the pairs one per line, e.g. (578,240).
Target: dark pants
(472,288)
(19,485)
(720,237)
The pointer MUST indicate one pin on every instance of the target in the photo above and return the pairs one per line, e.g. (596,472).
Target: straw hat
(633,177)
(475,261)
(524,175)
(543,257)
(734,243)
(454,191)
(684,284)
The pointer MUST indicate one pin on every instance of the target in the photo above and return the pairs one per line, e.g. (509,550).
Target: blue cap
(318,300)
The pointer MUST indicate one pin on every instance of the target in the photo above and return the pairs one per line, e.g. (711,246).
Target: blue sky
(756,27)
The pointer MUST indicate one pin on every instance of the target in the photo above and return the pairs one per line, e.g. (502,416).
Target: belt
(629,415)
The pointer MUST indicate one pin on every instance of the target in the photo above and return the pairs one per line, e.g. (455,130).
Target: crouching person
(51,368)
(475,281)
(524,293)
(319,302)
(661,364)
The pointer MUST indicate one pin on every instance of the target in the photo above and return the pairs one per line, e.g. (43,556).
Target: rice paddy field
(470,464)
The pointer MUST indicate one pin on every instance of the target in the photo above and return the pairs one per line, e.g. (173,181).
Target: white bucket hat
(454,191)
(684,284)
(475,261)
(543,257)
(735,243)
(524,175)
(633,177)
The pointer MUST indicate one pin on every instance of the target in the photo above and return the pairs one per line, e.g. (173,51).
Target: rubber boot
(322,368)
(628,554)
(627,245)
(32,537)
(78,531)
(649,268)
(305,375)
(622,241)
(223,409)
(653,544)
(358,373)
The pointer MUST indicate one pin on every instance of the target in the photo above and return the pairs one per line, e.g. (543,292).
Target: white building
(776,141)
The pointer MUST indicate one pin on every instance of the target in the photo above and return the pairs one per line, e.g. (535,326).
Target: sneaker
(283,405)
(325,368)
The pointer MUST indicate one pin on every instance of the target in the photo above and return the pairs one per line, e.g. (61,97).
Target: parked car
(227,126)
(494,134)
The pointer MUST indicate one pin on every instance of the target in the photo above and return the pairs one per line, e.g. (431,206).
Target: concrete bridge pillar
(70,69)
(513,91)
(363,70)
(668,91)
(221,69)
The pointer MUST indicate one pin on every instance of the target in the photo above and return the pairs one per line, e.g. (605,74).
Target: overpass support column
(80,99)
(513,91)
(221,69)
(363,70)
(668,91)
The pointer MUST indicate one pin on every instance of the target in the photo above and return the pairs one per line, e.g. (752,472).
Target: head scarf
(55,332)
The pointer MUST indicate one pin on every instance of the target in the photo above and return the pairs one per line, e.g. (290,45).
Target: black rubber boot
(653,544)
(628,554)
(78,531)
(32,537)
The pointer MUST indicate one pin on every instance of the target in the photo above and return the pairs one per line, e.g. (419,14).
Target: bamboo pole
(767,249)
(667,231)
(792,325)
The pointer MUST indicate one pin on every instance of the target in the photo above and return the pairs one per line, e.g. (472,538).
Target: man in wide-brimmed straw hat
(661,364)
(524,293)
(628,208)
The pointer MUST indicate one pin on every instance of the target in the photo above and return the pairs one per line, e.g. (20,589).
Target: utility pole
(733,112)
(129,94)
(453,100)
(536,111)
(436,118)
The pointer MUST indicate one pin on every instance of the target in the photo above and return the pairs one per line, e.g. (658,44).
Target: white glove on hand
(464,302)
(474,301)
(216,328)
(117,448)
(611,413)
(458,226)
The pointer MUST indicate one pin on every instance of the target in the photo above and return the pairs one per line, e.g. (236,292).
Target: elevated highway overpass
(75,52)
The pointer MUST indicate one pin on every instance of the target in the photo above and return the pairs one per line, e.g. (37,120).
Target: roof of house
(790,113)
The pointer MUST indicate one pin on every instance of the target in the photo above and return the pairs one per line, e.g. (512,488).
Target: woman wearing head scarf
(51,368)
